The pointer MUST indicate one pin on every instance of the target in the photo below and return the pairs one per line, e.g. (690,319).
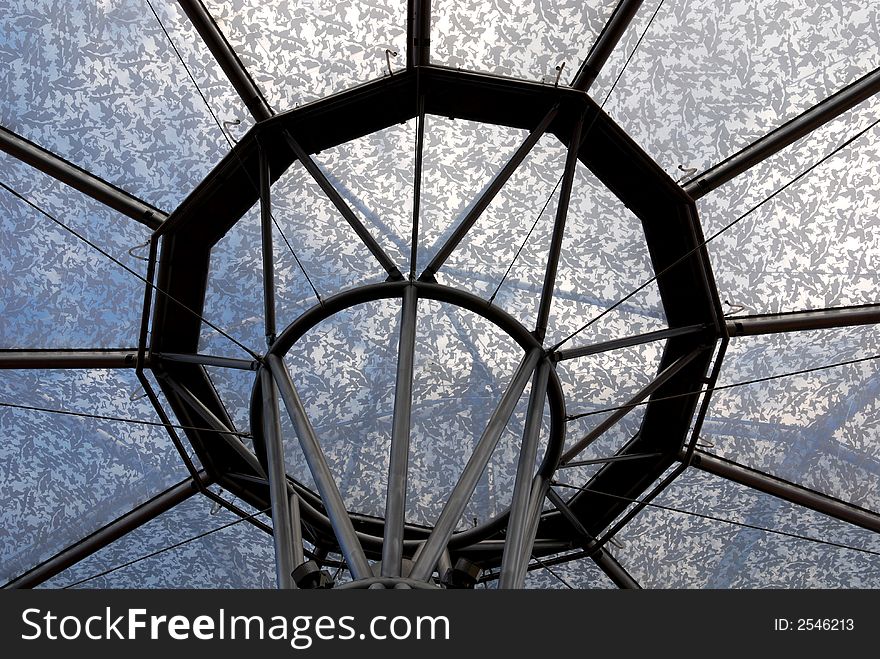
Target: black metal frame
(676,246)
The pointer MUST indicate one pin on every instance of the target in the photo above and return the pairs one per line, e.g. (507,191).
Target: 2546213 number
(825,624)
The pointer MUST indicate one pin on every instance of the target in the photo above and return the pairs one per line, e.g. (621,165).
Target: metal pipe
(662,378)
(605,43)
(467,482)
(540,485)
(395,504)
(330,496)
(79,179)
(602,558)
(473,214)
(218,426)
(556,239)
(343,208)
(418,33)
(227,59)
(789,132)
(804,320)
(282,530)
(132,520)
(208,360)
(516,526)
(787,491)
(299,556)
(54,359)
(268,251)
(628,341)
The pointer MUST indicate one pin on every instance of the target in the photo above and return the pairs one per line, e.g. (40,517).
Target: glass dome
(448,294)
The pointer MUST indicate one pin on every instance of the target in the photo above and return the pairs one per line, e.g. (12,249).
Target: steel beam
(418,33)
(227,59)
(79,179)
(467,482)
(52,359)
(787,491)
(804,320)
(395,503)
(208,360)
(789,132)
(494,187)
(343,208)
(324,481)
(132,520)
(605,43)
(282,529)
(626,342)
(662,378)
(517,524)
(556,239)
(268,248)
(601,557)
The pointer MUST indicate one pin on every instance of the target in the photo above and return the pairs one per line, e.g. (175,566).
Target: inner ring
(370,529)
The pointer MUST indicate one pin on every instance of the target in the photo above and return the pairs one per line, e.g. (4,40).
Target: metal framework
(539,522)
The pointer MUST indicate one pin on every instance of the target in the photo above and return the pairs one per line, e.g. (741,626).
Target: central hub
(466,352)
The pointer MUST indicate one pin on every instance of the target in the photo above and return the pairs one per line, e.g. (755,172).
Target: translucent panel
(519,39)
(818,429)
(300,51)
(55,290)
(63,477)
(460,159)
(374,174)
(815,245)
(581,573)
(239,556)
(99,84)
(711,77)
(234,387)
(665,549)
(604,258)
(344,370)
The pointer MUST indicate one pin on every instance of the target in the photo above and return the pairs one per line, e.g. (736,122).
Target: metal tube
(79,179)
(516,526)
(132,520)
(662,378)
(217,425)
(124,358)
(227,59)
(282,531)
(418,33)
(299,556)
(540,485)
(602,558)
(787,491)
(395,504)
(343,208)
(571,162)
(789,132)
(330,496)
(467,482)
(626,342)
(488,195)
(804,320)
(605,43)
(417,183)
(209,360)
(268,251)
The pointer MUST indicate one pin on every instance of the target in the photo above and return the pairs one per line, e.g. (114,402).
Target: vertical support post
(299,555)
(467,482)
(268,252)
(517,523)
(395,503)
(571,161)
(282,529)
(418,33)
(327,489)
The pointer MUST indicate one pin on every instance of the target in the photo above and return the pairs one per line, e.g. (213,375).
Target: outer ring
(371,527)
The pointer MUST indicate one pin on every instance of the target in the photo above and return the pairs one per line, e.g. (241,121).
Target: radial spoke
(467,482)
(395,505)
(324,481)
(516,526)
(605,43)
